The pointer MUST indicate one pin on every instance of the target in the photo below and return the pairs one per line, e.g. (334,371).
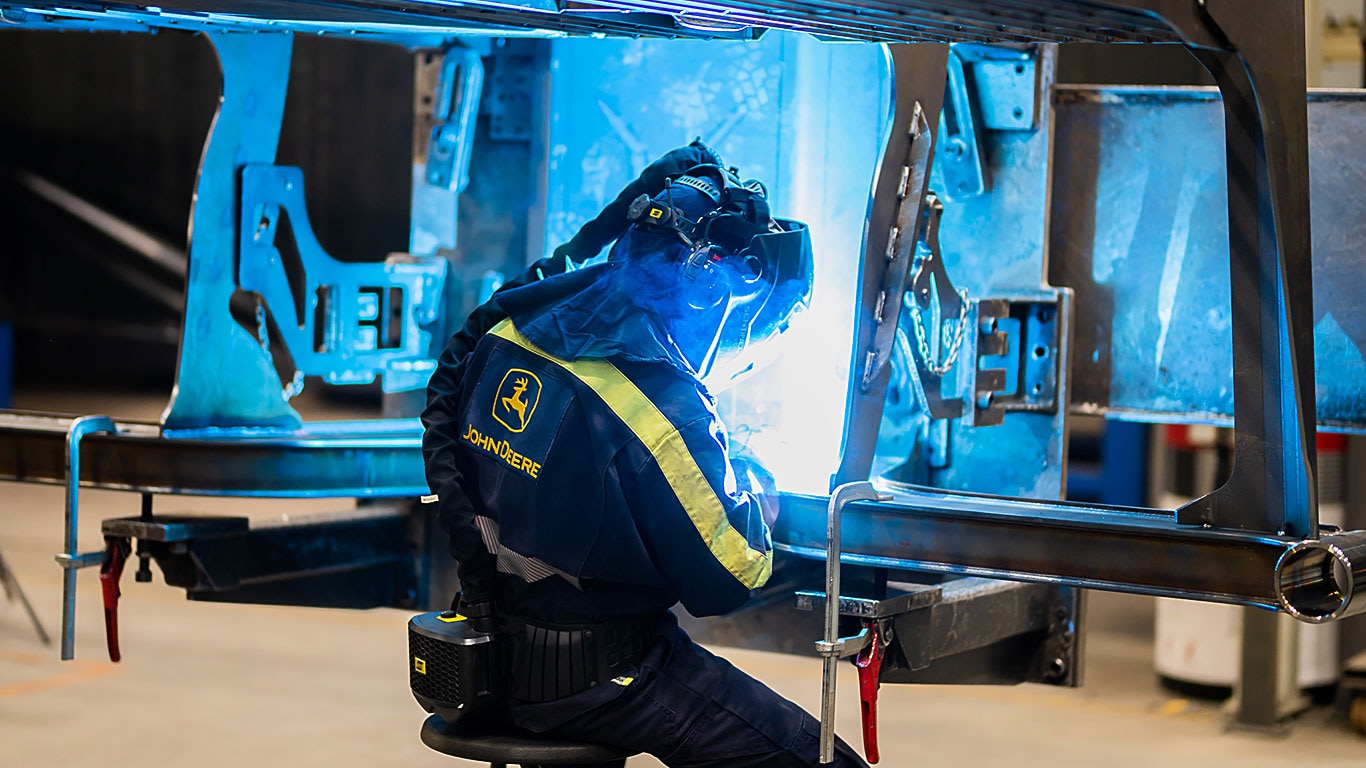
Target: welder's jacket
(592,460)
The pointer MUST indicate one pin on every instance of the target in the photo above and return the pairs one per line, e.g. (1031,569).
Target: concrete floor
(228,685)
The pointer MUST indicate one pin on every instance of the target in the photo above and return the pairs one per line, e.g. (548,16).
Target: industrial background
(1085,212)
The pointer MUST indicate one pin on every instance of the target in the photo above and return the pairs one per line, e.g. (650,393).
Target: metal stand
(14,591)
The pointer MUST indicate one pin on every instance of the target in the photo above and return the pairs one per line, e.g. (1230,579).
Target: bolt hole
(1019,69)
(1018,112)
(1040,351)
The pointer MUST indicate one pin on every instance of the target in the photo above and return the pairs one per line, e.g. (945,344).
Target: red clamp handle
(869,663)
(116,551)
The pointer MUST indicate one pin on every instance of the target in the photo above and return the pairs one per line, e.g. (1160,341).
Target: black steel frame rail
(378,459)
(1125,549)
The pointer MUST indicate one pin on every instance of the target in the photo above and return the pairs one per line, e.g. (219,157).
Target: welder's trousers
(689,708)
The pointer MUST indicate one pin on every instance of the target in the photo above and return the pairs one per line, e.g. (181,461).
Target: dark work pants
(691,709)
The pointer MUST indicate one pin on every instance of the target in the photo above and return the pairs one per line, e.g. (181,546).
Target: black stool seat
(501,743)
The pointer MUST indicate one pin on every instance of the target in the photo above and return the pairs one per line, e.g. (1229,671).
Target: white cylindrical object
(1201,643)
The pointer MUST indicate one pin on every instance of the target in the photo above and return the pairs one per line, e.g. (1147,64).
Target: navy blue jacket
(577,447)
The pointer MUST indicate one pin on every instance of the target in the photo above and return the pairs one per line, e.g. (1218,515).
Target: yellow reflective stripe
(752,568)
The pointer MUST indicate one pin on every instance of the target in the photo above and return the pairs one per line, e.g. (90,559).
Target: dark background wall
(120,121)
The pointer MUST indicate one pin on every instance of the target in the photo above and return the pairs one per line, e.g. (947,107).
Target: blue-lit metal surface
(765,107)
(1145,238)
(444,172)
(958,163)
(896,214)
(348,323)
(994,246)
(246,130)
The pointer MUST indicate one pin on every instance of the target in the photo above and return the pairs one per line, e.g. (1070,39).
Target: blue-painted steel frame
(246,130)
(348,323)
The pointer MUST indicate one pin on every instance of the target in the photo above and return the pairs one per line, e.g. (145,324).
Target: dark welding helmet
(741,274)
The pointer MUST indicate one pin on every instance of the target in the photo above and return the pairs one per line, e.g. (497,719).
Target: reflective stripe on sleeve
(752,568)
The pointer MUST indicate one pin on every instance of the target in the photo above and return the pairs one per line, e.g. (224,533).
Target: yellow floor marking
(1174,707)
(21,657)
(82,672)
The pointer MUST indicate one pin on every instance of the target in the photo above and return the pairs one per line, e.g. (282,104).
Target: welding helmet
(735,275)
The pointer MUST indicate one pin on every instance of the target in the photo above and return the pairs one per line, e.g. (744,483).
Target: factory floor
(209,685)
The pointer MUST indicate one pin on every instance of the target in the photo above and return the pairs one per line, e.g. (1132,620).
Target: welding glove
(751,476)
(612,221)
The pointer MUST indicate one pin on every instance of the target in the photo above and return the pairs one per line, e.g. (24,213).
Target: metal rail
(1125,549)
(372,459)
(895,21)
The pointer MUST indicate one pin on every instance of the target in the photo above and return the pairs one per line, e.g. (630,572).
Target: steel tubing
(70,559)
(1123,549)
(1322,579)
(373,459)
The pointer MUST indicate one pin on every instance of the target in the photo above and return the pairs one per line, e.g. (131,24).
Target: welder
(588,486)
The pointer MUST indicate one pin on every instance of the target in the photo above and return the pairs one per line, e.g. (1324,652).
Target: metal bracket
(456,107)
(907,598)
(1005,80)
(347,323)
(896,208)
(932,294)
(958,152)
(224,378)
(447,93)
(510,90)
(1018,356)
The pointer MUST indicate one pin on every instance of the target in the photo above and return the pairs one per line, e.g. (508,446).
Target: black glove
(482,615)
(612,221)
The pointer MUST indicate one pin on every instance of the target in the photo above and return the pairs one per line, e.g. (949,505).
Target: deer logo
(516,399)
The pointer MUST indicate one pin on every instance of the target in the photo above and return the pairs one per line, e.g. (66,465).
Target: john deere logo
(516,400)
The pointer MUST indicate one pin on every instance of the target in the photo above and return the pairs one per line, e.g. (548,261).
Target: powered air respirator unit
(452,667)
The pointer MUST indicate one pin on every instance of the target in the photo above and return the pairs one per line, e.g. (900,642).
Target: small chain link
(953,342)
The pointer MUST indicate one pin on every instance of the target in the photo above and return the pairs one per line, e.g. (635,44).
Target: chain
(954,342)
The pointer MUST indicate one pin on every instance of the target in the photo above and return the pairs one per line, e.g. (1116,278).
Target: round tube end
(1322,580)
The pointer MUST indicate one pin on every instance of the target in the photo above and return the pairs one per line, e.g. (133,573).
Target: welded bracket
(959,149)
(1016,355)
(347,323)
(994,354)
(894,216)
(989,88)
(1005,80)
(448,87)
(224,376)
